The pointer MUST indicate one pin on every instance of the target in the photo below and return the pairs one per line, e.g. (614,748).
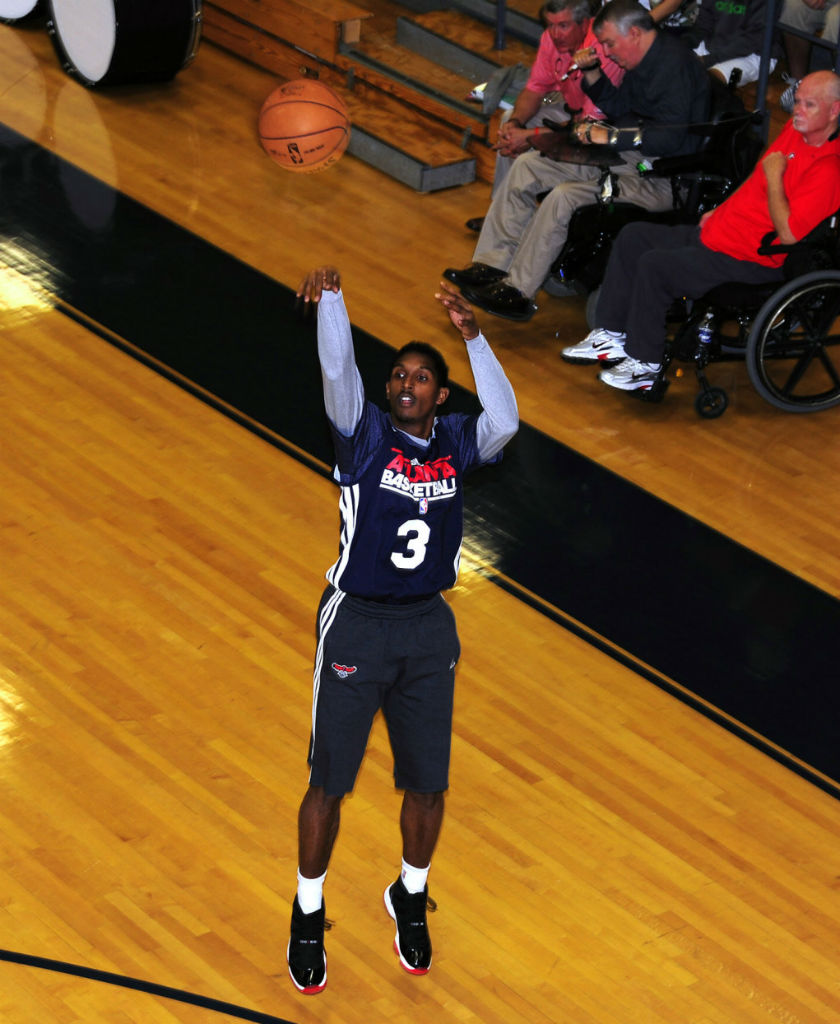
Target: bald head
(826,82)
(816,107)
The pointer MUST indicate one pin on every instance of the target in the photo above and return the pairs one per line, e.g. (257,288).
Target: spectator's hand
(460,311)
(317,281)
(774,166)
(512,140)
(586,59)
(816,5)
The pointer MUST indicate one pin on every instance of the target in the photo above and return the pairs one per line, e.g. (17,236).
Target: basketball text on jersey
(420,481)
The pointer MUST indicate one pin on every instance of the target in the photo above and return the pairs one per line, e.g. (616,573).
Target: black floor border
(626,659)
(138,985)
(509,586)
(741,633)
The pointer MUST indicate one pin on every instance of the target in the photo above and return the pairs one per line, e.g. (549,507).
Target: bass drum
(12,11)
(113,42)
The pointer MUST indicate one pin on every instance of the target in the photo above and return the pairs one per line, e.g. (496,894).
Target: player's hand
(460,311)
(322,279)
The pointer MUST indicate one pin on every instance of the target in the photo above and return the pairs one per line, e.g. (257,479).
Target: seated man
(553,88)
(795,186)
(663,92)
(729,37)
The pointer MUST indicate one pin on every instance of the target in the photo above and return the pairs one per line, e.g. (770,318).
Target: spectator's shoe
(501,299)
(632,375)
(599,346)
(789,95)
(476,275)
(474,224)
(411,942)
(305,954)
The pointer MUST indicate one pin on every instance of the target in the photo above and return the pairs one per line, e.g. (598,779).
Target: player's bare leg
(405,900)
(318,821)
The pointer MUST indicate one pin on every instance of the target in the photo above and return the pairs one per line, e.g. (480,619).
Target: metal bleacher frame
(771,27)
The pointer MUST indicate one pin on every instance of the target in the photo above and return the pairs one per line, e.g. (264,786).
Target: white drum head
(17,8)
(87,29)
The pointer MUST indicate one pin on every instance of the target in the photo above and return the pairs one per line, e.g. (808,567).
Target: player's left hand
(460,311)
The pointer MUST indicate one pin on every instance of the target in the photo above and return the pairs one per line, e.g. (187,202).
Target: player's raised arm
(344,395)
(499,419)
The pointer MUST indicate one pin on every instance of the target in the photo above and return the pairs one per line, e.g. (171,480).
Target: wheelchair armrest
(671,166)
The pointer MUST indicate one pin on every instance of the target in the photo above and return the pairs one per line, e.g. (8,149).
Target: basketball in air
(304,126)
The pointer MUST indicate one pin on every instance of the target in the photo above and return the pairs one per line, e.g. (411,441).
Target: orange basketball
(304,126)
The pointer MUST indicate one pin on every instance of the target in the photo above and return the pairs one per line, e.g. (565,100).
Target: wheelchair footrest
(656,392)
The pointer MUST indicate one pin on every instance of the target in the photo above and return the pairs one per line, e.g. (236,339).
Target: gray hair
(625,14)
(580,9)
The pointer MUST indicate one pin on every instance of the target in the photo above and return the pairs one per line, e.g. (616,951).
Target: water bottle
(705,331)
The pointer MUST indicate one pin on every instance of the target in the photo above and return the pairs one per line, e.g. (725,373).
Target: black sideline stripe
(746,642)
(149,987)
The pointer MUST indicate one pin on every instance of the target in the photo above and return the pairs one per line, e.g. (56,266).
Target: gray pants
(523,237)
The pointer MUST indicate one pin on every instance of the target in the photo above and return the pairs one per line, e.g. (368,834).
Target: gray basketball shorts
(400,658)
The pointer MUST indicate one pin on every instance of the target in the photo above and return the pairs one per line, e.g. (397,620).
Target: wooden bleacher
(405,74)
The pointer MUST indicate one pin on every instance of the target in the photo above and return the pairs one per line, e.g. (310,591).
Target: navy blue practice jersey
(401,506)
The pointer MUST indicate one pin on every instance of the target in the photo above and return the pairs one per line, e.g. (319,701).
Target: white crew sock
(414,879)
(310,892)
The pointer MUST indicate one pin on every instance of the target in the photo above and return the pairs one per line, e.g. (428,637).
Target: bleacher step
(419,153)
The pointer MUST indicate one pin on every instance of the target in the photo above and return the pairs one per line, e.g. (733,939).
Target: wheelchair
(788,333)
(728,150)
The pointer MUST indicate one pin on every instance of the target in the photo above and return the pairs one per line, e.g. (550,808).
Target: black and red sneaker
(305,953)
(411,942)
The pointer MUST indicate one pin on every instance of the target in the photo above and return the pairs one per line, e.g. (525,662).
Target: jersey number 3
(417,533)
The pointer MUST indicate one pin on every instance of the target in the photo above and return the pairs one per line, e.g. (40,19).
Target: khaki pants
(523,237)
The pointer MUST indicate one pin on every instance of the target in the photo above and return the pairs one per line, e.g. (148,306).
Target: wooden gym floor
(610,853)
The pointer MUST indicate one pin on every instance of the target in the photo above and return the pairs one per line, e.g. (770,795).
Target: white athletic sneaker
(631,375)
(788,96)
(599,346)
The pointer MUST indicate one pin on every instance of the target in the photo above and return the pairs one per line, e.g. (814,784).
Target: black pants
(653,264)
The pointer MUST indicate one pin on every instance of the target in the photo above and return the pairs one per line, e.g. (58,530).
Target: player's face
(413,395)
(624,50)
(566,35)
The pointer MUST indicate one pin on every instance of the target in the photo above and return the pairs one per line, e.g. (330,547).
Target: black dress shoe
(475,275)
(474,224)
(501,300)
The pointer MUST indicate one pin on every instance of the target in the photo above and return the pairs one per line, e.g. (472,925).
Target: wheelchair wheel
(793,351)
(711,403)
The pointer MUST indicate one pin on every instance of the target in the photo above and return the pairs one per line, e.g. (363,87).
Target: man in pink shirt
(794,187)
(552,89)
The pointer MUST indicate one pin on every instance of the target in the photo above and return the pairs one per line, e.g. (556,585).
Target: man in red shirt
(794,187)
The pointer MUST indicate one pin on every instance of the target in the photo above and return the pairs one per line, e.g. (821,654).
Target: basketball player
(386,637)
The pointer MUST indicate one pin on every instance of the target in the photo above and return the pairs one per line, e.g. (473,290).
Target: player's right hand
(317,281)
